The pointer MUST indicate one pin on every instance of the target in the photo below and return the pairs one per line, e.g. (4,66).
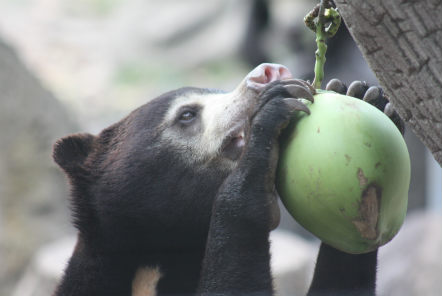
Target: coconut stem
(321,49)
(323,13)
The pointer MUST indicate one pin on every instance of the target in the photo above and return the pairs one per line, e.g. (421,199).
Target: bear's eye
(187,116)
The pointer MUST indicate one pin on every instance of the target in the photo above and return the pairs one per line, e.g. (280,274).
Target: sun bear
(178,198)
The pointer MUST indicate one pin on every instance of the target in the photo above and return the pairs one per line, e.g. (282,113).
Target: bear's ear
(70,152)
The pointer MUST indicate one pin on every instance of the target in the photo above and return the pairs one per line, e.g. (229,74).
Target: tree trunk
(402,42)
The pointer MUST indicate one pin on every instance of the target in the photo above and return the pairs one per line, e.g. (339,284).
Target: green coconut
(344,173)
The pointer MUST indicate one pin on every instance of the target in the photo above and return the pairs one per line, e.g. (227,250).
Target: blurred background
(80,65)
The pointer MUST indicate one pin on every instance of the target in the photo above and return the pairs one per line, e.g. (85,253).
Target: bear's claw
(300,82)
(336,85)
(373,95)
(297,91)
(357,89)
(297,105)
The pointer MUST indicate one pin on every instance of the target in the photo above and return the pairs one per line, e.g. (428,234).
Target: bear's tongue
(234,147)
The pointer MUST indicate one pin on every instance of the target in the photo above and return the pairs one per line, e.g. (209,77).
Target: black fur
(136,203)
(344,274)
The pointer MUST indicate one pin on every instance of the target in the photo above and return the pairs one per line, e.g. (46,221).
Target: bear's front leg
(237,259)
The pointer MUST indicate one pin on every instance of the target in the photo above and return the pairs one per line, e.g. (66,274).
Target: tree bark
(402,42)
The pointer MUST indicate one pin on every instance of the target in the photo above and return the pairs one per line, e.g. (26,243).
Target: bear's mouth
(235,141)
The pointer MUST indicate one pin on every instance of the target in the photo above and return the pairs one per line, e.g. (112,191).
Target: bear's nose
(262,75)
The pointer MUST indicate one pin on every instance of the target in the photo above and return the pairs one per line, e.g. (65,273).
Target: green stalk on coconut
(344,170)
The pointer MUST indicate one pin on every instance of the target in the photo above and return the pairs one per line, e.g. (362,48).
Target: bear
(178,198)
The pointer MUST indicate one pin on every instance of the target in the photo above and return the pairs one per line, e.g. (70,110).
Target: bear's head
(150,179)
